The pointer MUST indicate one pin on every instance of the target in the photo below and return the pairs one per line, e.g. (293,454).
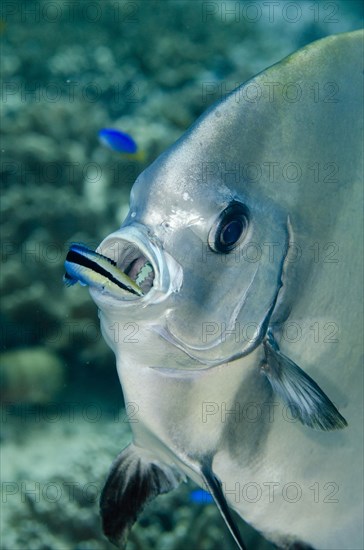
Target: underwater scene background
(70,68)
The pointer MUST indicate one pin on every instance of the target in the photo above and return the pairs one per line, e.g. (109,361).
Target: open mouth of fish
(142,271)
(137,267)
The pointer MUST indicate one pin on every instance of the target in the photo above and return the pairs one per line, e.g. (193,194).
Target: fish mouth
(143,260)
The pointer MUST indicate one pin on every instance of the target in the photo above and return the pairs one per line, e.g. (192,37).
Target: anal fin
(298,391)
(133,481)
(214,486)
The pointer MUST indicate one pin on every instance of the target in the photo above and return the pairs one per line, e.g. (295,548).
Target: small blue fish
(199,496)
(117,140)
(89,268)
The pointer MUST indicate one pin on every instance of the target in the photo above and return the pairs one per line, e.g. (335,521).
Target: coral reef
(50,493)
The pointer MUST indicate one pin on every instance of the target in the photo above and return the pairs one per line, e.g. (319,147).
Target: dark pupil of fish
(231,232)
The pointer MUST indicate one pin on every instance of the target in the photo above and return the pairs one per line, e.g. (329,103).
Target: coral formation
(50,493)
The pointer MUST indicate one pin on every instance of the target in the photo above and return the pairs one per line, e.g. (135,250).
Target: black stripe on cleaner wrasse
(89,268)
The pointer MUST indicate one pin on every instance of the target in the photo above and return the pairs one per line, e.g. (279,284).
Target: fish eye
(229,229)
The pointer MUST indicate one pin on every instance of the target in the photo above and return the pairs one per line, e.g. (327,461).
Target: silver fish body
(251,223)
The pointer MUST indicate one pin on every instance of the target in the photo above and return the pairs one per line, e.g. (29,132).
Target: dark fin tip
(131,484)
(68,280)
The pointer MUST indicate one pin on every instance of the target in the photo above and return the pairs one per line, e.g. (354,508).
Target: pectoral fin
(133,481)
(297,390)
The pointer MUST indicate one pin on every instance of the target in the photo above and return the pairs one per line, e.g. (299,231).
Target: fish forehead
(245,144)
(182,206)
(180,193)
(177,198)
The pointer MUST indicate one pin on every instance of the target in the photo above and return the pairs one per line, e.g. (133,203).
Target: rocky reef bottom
(50,494)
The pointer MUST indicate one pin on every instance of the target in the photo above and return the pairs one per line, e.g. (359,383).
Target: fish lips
(139,254)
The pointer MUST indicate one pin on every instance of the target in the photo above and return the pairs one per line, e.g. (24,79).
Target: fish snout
(138,254)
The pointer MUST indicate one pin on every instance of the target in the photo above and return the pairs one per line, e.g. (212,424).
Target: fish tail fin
(307,401)
(133,481)
(68,280)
